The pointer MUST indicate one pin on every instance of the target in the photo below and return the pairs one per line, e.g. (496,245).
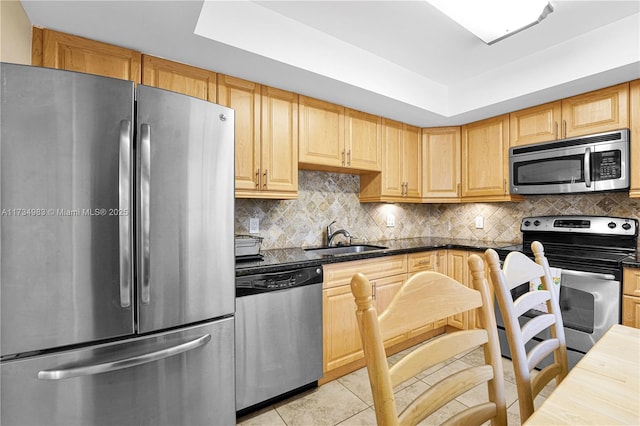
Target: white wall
(15,33)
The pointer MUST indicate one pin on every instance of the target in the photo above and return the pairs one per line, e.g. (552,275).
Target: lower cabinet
(631,297)
(342,347)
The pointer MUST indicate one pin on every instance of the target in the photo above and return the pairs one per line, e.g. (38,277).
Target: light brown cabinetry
(181,78)
(593,112)
(634,113)
(341,338)
(266,138)
(335,138)
(69,52)
(435,260)
(401,176)
(537,124)
(458,269)
(631,297)
(441,149)
(485,160)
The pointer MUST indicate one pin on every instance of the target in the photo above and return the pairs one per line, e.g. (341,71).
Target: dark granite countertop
(290,258)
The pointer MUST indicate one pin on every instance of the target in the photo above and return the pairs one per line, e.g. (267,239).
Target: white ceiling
(399,59)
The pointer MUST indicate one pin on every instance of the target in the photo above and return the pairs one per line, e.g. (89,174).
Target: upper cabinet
(185,79)
(266,160)
(485,160)
(634,112)
(337,139)
(537,124)
(363,140)
(401,176)
(594,112)
(441,159)
(68,52)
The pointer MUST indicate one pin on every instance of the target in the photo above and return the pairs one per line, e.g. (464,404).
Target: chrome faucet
(331,235)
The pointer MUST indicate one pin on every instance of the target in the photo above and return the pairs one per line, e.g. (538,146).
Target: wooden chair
(519,269)
(424,298)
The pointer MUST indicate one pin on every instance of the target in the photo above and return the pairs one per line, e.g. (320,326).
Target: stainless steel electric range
(589,250)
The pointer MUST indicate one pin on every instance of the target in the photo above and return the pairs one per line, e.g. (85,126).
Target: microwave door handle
(587,167)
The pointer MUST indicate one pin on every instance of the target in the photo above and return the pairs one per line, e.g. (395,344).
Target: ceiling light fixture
(494,20)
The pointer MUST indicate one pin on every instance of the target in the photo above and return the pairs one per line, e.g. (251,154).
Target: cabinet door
(68,52)
(279,140)
(363,140)
(412,161)
(441,163)
(384,291)
(634,112)
(598,111)
(538,124)
(485,158)
(244,97)
(341,337)
(458,269)
(181,78)
(321,126)
(392,177)
(631,311)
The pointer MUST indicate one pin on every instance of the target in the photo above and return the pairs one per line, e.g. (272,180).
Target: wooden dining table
(602,389)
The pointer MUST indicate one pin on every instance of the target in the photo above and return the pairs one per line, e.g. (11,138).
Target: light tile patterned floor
(348,401)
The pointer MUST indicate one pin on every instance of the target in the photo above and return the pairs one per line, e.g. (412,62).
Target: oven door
(590,305)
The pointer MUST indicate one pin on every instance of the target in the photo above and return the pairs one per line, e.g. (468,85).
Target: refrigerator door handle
(145,179)
(124,225)
(91,369)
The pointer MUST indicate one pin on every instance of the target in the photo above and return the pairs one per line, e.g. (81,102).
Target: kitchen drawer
(337,274)
(631,281)
(425,261)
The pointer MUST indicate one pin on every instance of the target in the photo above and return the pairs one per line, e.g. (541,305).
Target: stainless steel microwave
(591,163)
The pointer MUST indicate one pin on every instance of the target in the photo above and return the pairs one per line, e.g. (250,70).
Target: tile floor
(347,400)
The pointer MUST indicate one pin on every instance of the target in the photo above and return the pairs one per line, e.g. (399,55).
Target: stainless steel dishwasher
(278,335)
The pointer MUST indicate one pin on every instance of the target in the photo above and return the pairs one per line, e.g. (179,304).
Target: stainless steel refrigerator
(117,253)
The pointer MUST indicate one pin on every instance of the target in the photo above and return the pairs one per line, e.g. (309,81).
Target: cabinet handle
(264,185)
(458,189)
(555,130)
(349,158)
(344,160)
(258,179)
(564,128)
(504,186)
(373,290)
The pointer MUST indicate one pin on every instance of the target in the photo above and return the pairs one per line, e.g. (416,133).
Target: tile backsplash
(325,197)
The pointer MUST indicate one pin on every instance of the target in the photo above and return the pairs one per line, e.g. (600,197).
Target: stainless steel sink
(332,251)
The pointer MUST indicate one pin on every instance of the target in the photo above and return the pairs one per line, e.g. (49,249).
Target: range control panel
(581,224)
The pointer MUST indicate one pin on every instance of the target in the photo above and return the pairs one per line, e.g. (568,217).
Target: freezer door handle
(124,225)
(145,179)
(105,367)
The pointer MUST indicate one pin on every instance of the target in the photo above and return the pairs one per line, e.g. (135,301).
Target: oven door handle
(609,277)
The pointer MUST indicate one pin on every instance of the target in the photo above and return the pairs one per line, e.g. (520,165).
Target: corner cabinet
(54,49)
(266,158)
(631,297)
(634,112)
(334,138)
(181,78)
(441,165)
(401,176)
(485,161)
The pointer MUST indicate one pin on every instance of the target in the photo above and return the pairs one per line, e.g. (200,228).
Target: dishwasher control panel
(260,283)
